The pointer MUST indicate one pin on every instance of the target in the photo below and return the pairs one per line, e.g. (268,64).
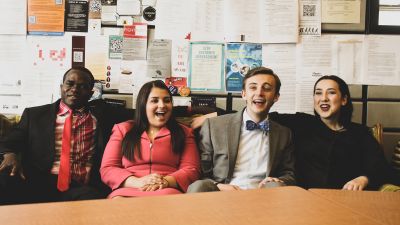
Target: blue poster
(240,58)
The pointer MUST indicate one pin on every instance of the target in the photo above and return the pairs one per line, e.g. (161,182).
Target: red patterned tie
(64,172)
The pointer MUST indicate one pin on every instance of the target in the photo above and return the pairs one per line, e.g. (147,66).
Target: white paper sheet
(109,14)
(133,83)
(281,58)
(382,60)
(128,71)
(94,27)
(13,17)
(270,21)
(13,51)
(314,57)
(128,7)
(279,21)
(13,66)
(159,58)
(241,21)
(173,19)
(180,58)
(48,59)
(134,49)
(347,57)
(208,23)
(111,31)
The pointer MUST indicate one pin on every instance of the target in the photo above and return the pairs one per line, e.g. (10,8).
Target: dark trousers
(42,188)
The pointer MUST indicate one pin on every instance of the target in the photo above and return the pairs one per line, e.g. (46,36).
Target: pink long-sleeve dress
(156,158)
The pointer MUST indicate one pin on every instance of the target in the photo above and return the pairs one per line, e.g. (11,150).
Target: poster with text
(240,58)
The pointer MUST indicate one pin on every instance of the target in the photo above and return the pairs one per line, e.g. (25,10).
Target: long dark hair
(346,111)
(132,139)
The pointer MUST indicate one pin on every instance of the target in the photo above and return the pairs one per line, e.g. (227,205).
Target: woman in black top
(330,150)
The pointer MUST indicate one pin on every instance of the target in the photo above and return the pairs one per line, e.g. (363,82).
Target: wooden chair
(6,124)
(396,157)
(377,132)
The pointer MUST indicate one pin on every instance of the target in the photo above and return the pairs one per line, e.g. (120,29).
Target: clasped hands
(151,182)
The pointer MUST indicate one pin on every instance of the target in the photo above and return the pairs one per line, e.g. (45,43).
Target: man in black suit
(32,150)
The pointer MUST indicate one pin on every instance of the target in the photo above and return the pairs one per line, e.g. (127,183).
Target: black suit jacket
(34,138)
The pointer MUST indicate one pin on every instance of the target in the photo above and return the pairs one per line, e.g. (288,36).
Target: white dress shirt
(252,159)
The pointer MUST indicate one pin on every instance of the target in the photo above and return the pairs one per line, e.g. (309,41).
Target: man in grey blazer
(245,150)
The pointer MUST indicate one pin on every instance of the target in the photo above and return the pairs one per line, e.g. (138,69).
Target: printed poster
(240,58)
(310,18)
(159,58)
(134,45)
(206,66)
(115,47)
(46,17)
(76,16)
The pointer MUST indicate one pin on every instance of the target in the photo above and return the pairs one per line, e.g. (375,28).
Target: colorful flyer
(46,17)
(240,58)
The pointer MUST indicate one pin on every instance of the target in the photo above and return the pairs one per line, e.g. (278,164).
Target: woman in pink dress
(152,155)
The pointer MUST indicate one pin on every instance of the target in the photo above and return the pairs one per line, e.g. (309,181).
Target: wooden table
(283,205)
(381,206)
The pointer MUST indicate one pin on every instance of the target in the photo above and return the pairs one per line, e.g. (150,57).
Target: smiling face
(260,94)
(76,90)
(158,108)
(328,100)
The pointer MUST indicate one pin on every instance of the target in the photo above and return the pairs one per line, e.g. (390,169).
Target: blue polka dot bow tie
(264,125)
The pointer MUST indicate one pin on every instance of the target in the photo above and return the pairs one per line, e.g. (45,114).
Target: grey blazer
(219,142)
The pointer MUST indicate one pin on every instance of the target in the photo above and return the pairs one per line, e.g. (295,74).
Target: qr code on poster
(95,6)
(116,45)
(309,10)
(78,56)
